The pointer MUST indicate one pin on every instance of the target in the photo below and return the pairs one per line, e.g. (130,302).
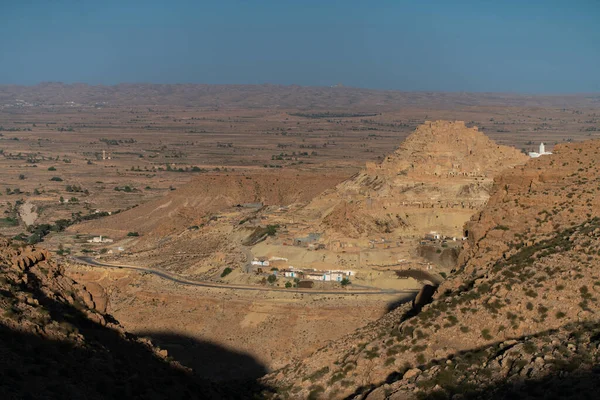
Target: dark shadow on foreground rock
(419,300)
(102,363)
(206,359)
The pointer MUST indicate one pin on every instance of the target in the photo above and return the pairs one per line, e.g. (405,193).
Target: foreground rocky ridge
(54,344)
(518,317)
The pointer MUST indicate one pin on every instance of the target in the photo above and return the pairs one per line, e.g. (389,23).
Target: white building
(99,239)
(290,273)
(542,152)
(337,276)
(327,276)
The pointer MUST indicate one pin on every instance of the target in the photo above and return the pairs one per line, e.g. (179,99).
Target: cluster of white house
(316,275)
(433,236)
(291,272)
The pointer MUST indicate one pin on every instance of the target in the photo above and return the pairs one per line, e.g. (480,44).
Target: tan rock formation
(436,180)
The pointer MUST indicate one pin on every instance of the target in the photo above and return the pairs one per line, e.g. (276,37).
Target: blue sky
(528,46)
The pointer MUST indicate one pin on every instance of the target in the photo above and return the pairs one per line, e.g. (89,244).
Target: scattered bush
(226,272)
(529,348)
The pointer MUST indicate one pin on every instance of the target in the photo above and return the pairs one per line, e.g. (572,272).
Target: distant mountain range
(272,96)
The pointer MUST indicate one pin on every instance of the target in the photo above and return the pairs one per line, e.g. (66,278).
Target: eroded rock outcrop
(436,180)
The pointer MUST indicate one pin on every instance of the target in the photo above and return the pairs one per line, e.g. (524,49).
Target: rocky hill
(54,344)
(436,180)
(205,196)
(517,319)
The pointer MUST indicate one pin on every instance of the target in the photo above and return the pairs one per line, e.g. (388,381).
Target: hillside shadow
(391,306)
(207,359)
(107,363)
(418,301)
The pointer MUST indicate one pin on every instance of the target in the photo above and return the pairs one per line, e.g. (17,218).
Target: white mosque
(541,152)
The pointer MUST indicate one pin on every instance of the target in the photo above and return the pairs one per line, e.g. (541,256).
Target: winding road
(178,279)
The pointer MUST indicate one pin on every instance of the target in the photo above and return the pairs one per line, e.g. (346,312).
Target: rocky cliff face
(54,344)
(518,318)
(438,177)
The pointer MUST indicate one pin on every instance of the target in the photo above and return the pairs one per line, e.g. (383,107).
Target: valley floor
(270,329)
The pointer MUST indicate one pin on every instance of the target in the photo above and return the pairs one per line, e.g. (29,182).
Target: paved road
(94,263)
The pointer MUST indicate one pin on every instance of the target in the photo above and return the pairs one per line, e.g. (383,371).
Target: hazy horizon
(541,47)
(301,86)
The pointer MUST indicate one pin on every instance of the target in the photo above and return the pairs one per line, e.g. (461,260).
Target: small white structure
(99,239)
(542,152)
(260,263)
(291,272)
(433,235)
(278,259)
(337,276)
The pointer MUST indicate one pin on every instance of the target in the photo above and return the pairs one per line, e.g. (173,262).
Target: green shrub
(315,392)
(372,353)
(530,293)
(318,374)
(134,234)
(529,348)
(337,377)
(272,230)
(226,272)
